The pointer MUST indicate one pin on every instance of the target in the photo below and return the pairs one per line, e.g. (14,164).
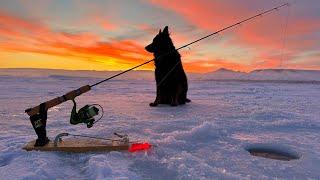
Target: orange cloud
(26,36)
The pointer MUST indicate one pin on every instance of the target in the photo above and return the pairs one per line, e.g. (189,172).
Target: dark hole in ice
(272,152)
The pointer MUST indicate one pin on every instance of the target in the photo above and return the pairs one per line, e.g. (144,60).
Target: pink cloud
(265,34)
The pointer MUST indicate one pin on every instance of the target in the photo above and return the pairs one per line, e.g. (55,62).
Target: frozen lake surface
(205,139)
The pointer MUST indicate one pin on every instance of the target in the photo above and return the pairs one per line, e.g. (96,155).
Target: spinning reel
(86,114)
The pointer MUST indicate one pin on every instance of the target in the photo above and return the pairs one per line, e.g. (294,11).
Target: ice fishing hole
(272,152)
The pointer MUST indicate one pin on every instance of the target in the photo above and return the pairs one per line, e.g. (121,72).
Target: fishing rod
(38,114)
(195,41)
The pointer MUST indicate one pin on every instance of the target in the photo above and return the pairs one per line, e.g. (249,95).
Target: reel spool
(86,114)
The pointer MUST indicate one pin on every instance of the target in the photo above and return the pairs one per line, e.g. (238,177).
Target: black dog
(171,80)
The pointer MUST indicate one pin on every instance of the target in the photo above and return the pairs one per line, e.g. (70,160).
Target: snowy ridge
(272,75)
(265,75)
(61,74)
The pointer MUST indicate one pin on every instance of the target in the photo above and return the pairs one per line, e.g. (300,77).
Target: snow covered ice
(205,139)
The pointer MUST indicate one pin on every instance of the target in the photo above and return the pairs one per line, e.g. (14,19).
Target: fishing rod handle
(58,100)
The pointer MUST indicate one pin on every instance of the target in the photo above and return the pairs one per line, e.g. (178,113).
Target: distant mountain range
(265,74)
(220,74)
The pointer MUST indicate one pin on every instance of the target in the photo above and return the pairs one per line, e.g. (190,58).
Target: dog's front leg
(157,100)
(155,103)
(174,100)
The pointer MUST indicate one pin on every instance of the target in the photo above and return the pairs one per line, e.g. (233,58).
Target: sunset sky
(111,35)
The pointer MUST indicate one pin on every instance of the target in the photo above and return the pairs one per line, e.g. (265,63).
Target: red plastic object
(139,147)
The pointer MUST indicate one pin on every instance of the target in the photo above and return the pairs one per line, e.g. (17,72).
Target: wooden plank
(78,146)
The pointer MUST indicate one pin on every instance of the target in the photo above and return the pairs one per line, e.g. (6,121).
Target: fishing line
(100,138)
(285,36)
(216,33)
(193,42)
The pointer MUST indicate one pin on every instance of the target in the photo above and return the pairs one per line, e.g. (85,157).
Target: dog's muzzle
(150,48)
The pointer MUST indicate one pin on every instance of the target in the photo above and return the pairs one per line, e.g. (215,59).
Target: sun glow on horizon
(83,38)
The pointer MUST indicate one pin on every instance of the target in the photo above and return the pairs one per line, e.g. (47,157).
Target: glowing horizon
(109,35)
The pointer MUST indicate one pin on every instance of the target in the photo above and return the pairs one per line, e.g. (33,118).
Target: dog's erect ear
(160,31)
(166,31)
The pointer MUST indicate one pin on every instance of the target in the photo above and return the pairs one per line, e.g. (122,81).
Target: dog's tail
(188,100)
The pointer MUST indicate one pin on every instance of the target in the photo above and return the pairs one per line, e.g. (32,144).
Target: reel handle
(58,100)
